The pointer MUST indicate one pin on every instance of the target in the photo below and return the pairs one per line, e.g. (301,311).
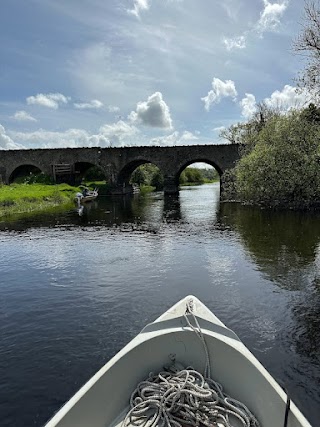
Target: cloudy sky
(138,72)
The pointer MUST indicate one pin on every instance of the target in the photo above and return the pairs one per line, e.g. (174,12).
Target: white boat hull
(80,198)
(104,399)
(86,199)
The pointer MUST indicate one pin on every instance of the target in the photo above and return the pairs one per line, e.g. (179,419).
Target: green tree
(283,168)
(147,174)
(139,176)
(312,114)
(209,174)
(191,176)
(246,134)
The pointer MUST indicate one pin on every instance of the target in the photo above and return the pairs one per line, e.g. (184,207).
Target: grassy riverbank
(25,198)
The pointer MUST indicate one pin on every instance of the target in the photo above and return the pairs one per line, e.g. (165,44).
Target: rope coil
(181,397)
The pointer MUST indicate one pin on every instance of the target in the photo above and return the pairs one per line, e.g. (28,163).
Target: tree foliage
(245,133)
(149,174)
(308,44)
(210,175)
(191,176)
(282,168)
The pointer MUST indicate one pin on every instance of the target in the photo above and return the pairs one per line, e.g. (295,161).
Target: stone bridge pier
(117,164)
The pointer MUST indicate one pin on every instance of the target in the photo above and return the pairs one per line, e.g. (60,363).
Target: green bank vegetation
(30,197)
(37,192)
(195,176)
(280,166)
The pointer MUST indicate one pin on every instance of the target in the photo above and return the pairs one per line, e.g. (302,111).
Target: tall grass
(18,198)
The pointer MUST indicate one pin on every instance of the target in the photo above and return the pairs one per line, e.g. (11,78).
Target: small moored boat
(173,340)
(86,196)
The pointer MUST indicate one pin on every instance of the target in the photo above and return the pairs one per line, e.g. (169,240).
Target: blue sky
(77,73)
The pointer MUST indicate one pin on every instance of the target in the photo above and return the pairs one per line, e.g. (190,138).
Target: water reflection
(200,207)
(282,244)
(285,247)
(171,208)
(113,211)
(307,314)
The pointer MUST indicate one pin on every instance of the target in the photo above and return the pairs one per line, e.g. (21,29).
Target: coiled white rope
(181,397)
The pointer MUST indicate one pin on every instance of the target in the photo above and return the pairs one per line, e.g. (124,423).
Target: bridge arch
(126,172)
(184,165)
(83,168)
(23,170)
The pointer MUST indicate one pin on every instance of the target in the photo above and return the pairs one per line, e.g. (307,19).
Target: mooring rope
(181,397)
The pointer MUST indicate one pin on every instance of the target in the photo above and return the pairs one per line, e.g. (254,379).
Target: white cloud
(248,105)
(269,21)
(219,128)
(154,112)
(50,100)
(188,136)
(288,98)
(116,133)
(174,139)
(282,100)
(138,6)
(6,143)
(70,138)
(235,43)
(220,89)
(23,116)
(166,140)
(270,16)
(94,104)
(113,109)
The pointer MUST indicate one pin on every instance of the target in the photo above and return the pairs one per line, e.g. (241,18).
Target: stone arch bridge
(117,164)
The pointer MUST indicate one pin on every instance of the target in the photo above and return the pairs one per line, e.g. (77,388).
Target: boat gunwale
(152,330)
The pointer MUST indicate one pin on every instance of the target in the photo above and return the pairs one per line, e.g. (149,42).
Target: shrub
(283,168)
(191,175)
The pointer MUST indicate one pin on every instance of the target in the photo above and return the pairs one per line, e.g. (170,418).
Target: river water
(75,289)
